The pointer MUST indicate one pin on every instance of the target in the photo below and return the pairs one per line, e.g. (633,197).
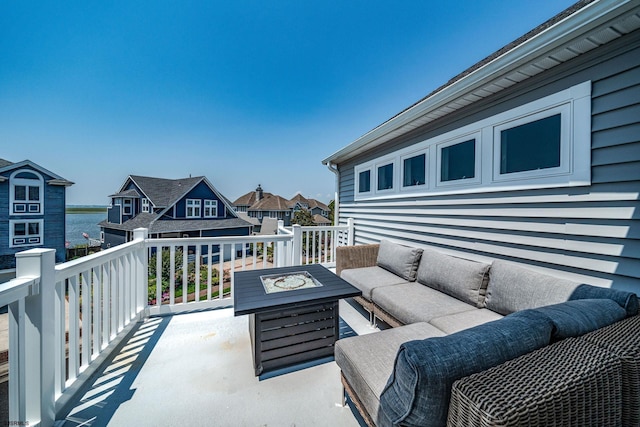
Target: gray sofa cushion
(413,302)
(627,300)
(575,318)
(452,323)
(419,389)
(512,288)
(461,278)
(399,259)
(368,278)
(366,361)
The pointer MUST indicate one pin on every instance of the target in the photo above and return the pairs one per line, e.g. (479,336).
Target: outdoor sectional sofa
(486,344)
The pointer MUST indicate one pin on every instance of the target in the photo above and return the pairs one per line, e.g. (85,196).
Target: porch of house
(196,369)
(95,342)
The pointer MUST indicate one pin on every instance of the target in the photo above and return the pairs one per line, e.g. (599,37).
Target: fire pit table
(293,313)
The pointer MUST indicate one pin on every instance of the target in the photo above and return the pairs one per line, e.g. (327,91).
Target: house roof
(56,179)
(319,219)
(298,198)
(271,203)
(156,225)
(249,199)
(313,203)
(127,193)
(578,29)
(251,220)
(163,192)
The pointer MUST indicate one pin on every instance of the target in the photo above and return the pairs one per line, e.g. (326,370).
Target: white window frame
(394,176)
(29,207)
(574,106)
(127,206)
(29,239)
(195,206)
(145,205)
(477,168)
(210,208)
(419,187)
(565,144)
(358,171)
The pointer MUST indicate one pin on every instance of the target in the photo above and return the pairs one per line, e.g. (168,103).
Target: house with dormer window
(32,210)
(187,207)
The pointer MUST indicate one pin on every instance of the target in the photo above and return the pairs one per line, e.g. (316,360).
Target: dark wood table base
(286,337)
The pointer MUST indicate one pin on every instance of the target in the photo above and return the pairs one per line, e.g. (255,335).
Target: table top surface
(249,295)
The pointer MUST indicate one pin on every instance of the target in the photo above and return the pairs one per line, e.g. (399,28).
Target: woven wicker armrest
(356,256)
(570,383)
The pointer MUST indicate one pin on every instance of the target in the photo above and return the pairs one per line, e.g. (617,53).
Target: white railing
(65,320)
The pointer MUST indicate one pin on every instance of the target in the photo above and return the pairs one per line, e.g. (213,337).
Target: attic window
(193,208)
(26,193)
(145,205)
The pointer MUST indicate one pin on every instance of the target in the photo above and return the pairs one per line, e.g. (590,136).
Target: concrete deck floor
(196,369)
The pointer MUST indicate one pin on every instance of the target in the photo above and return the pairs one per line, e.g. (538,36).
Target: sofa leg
(343,401)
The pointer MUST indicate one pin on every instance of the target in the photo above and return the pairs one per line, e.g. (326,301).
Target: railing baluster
(106,304)
(220,270)
(197,274)
(209,272)
(97,311)
(185,272)
(172,274)
(74,329)
(60,339)
(85,294)
(159,275)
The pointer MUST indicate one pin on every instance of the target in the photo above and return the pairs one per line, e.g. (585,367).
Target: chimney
(258,193)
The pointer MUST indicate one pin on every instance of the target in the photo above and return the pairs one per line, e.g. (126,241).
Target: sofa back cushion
(399,259)
(575,318)
(512,288)
(419,389)
(460,278)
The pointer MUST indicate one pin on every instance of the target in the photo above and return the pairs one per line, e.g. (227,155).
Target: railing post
(351,235)
(297,245)
(37,372)
(279,247)
(142,269)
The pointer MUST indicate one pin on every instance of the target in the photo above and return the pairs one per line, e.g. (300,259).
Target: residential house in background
(32,210)
(187,207)
(259,204)
(531,155)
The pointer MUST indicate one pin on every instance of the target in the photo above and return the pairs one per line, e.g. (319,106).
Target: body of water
(78,223)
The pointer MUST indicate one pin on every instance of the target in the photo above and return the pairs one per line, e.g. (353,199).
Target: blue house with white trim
(187,207)
(32,210)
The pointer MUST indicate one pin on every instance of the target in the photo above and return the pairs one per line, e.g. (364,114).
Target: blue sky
(242,92)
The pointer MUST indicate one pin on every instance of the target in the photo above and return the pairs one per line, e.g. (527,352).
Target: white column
(39,323)
(142,270)
(297,245)
(352,229)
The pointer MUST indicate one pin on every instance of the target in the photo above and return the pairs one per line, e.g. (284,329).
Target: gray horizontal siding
(589,234)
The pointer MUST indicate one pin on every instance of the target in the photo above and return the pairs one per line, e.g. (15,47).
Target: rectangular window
(126,210)
(458,161)
(20,192)
(34,193)
(414,171)
(145,205)
(385,177)
(25,233)
(210,208)
(364,181)
(531,146)
(193,208)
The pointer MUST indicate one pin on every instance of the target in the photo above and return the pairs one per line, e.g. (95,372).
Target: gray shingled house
(531,155)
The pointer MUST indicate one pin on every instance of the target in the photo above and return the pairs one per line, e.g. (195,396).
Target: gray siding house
(532,155)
